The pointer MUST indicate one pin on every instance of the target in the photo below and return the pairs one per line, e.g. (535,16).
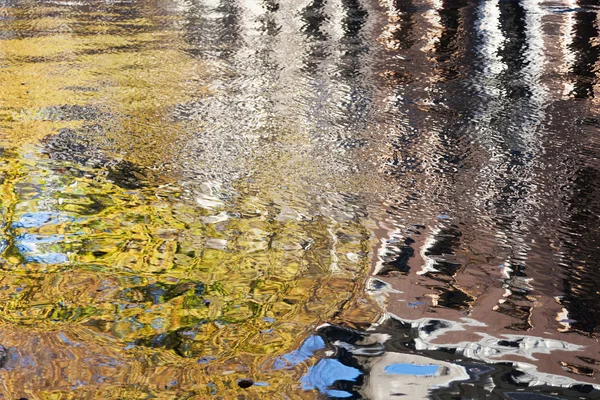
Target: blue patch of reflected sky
(306,350)
(39,219)
(32,248)
(412,369)
(325,373)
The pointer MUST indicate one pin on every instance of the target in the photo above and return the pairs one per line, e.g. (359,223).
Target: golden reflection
(111,288)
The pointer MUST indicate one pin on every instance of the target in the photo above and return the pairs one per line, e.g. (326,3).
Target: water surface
(333,198)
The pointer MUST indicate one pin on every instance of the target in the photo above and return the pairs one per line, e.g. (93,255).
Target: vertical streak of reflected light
(535,57)
(568,57)
(530,132)
(596,85)
(519,136)
(253,58)
(492,39)
(435,29)
(335,26)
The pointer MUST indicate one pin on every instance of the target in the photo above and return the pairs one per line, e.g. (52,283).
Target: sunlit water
(331,198)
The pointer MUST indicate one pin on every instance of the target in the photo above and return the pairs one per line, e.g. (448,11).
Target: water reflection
(409,364)
(346,199)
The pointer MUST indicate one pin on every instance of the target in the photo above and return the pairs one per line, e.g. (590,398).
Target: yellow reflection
(111,289)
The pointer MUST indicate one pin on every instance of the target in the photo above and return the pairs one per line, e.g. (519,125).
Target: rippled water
(333,199)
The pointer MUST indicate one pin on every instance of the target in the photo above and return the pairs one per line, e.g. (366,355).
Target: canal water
(299,199)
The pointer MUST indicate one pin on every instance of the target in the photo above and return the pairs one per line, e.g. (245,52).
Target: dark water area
(256,199)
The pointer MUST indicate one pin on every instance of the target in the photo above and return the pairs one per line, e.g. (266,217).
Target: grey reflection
(484,174)
(509,127)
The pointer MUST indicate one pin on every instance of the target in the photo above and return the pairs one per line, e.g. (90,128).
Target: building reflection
(488,247)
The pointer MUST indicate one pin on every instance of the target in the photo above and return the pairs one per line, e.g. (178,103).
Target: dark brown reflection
(495,168)
(399,32)
(581,267)
(450,47)
(585,34)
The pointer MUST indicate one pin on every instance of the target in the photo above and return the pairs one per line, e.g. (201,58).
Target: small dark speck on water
(245,383)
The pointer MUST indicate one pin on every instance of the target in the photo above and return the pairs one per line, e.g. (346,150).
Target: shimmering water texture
(254,199)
